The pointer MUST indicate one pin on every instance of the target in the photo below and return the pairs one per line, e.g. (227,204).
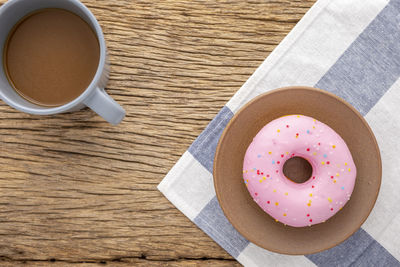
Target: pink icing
(313,201)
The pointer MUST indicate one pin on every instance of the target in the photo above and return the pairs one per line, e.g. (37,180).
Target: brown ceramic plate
(246,216)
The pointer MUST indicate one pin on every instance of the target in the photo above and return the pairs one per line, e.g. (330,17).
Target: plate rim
(258,98)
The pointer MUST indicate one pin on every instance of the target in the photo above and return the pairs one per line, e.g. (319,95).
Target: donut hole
(297,169)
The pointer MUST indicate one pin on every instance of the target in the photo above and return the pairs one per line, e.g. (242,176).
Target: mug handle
(101,103)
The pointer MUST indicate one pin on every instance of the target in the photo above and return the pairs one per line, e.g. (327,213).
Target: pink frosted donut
(314,201)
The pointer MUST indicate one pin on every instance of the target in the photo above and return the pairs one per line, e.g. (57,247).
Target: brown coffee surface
(51,57)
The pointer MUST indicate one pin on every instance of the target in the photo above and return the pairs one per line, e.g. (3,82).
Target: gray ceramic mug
(93,97)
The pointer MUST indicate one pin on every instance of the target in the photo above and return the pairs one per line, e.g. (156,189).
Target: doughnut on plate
(248,218)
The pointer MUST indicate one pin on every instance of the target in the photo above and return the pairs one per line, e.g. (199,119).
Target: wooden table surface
(77,191)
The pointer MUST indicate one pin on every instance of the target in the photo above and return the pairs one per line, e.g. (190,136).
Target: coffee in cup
(51,56)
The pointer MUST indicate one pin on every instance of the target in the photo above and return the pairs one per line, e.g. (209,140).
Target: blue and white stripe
(350,48)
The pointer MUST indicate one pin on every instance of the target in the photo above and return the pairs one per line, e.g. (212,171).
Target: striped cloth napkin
(352,49)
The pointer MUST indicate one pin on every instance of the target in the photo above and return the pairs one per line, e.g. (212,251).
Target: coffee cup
(94,96)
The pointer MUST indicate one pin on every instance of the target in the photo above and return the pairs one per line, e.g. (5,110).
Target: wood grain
(77,191)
